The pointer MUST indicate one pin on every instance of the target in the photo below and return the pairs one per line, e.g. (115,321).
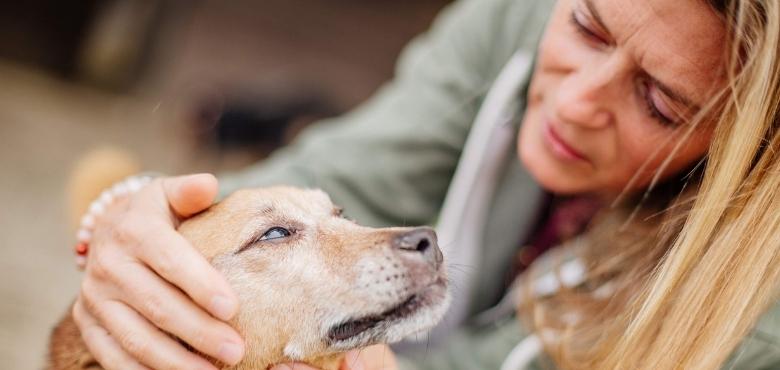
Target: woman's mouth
(559,147)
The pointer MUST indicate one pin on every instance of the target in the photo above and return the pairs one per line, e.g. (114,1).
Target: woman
(626,100)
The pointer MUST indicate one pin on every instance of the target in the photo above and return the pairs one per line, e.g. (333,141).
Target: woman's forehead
(679,42)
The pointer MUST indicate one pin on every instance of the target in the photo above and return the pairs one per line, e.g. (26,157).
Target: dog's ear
(92,173)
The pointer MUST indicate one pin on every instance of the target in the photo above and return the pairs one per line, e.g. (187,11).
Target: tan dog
(311,283)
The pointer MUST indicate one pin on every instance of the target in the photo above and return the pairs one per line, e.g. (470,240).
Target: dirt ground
(46,123)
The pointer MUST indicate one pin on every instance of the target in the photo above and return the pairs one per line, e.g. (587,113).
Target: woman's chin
(550,176)
(559,186)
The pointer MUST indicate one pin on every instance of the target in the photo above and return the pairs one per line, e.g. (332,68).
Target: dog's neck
(258,357)
(274,342)
(331,362)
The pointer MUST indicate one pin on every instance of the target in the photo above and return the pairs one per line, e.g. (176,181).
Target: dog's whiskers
(427,346)
(461,267)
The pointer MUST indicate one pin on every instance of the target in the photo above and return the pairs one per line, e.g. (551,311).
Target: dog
(311,283)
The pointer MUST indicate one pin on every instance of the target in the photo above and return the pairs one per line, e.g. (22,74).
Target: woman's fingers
(376,357)
(145,342)
(353,361)
(190,194)
(172,311)
(140,231)
(106,350)
(148,232)
(175,260)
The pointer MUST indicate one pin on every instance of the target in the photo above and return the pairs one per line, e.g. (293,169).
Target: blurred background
(202,85)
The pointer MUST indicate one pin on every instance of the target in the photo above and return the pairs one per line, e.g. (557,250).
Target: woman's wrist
(109,196)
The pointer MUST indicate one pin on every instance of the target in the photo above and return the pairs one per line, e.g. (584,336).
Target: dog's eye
(275,233)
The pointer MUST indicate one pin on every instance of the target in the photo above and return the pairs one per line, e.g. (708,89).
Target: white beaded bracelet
(128,186)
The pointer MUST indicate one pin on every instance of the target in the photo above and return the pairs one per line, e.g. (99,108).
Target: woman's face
(614,84)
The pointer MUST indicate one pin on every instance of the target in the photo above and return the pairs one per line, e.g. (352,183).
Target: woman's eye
(584,30)
(652,107)
(275,233)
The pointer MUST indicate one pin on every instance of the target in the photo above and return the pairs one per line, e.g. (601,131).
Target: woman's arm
(388,162)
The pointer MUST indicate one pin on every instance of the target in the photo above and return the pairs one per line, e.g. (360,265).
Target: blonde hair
(690,275)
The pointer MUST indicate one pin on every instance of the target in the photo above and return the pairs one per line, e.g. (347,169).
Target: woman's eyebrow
(666,89)
(596,16)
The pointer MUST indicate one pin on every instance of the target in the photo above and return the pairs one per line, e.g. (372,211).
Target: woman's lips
(561,148)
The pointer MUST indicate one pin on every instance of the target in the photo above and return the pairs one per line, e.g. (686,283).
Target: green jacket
(391,161)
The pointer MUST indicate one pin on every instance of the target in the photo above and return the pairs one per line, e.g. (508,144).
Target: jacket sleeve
(389,162)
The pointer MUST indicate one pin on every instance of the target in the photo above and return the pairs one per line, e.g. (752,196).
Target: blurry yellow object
(94,172)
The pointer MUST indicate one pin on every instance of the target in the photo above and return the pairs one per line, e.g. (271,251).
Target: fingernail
(281,367)
(222,308)
(230,353)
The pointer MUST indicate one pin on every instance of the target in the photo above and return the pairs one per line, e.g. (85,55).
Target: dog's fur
(329,287)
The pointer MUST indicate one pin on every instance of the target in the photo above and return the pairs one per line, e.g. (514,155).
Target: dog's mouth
(406,308)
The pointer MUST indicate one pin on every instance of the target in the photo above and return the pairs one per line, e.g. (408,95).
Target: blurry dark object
(102,42)
(260,122)
(119,42)
(45,33)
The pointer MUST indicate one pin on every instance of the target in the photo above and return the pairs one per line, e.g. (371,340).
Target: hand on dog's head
(313,284)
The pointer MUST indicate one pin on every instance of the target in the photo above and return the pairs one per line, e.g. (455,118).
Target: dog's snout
(418,240)
(421,240)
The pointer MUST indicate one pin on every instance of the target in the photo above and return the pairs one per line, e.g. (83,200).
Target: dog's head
(313,283)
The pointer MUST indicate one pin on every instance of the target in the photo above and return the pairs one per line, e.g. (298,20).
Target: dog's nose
(421,240)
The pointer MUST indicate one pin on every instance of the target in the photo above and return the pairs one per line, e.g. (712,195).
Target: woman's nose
(583,99)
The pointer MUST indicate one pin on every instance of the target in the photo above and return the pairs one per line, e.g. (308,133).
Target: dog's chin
(416,313)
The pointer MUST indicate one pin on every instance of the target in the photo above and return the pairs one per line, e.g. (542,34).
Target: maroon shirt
(559,219)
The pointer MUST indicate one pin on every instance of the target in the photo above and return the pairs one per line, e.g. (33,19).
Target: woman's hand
(143,280)
(376,357)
